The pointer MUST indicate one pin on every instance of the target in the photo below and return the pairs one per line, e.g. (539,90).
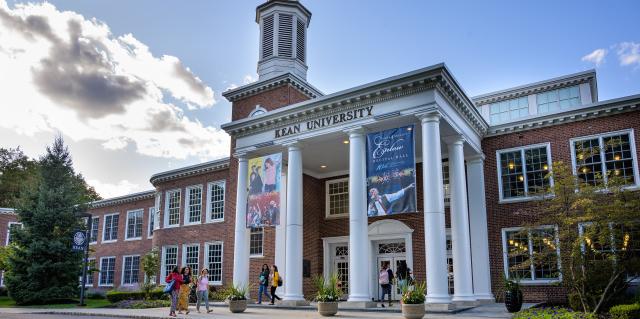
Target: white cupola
(283,38)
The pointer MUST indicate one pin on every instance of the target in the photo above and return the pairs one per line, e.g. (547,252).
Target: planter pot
(327,309)
(513,300)
(413,311)
(237,306)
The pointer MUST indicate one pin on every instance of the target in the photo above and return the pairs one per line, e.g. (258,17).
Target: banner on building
(264,180)
(391,172)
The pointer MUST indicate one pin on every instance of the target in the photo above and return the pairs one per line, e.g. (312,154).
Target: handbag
(169,287)
(279,282)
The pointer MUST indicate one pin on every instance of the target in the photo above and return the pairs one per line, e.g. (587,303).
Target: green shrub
(115,295)
(95,295)
(413,294)
(625,311)
(328,290)
(141,304)
(551,313)
(217,294)
(3,292)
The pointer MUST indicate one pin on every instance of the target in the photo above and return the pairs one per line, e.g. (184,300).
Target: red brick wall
(270,100)
(501,216)
(5,219)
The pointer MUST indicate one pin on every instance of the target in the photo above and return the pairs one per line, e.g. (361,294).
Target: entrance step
(293,303)
(357,305)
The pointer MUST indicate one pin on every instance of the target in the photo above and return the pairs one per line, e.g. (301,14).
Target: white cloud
(63,72)
(248,79)
(628,53)
(108,190)
(596,57)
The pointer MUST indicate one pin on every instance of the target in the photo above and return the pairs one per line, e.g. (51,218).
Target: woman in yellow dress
(185,289)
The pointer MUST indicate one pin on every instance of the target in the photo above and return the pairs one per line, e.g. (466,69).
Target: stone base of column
(293,303)
(466,303)
(358,304)
(485,299)
(464,298)
(439,307)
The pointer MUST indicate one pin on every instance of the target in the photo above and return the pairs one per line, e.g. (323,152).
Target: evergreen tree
(42,268)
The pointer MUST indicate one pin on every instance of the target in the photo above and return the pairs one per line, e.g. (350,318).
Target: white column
(434,221)
(358,234)
(293,246)
(479,231)
(460,238)
(241,242)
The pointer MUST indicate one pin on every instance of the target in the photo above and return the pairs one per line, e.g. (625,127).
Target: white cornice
(8,211)
(595,110)
(197,169)
(272,83)
(122,199)
(532,88)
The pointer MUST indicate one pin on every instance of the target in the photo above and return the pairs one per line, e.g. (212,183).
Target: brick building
(478,160)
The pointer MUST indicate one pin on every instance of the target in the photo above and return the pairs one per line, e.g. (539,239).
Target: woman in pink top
(203,289)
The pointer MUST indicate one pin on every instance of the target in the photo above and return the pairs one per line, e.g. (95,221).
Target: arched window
(259,110)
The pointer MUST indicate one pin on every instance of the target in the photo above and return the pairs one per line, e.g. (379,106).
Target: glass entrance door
(393,263)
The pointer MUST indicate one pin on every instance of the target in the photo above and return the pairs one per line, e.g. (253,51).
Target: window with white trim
(191,256)
(130,269)
(193,207)
(611,242)
(152,221)
(600,157)
(337,197)
(213,257)
(172,209)
(256,242)
(91,265)
(522,171)
(95,223)
(533,255)
(215,201)
(156,216)
(134,224)
(110,228)
(12,226)
(169,259)
(445,181)
(508,110)
(107,271)
(555,100)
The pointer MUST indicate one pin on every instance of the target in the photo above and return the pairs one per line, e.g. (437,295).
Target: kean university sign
(325,121)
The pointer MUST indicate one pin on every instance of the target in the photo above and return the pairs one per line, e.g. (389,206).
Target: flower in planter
(328,290)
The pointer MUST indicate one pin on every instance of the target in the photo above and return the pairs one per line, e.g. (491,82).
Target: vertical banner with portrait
(391,172)
(264,180)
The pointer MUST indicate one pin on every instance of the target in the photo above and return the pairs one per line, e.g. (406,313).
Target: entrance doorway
(392,254)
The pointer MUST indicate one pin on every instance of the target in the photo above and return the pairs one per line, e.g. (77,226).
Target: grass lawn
(6,302)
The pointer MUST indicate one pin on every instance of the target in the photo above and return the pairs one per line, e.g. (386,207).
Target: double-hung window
(191,255)
(95,221)
(12,226)
(172,208)
(522,172)
(213,259)
(555,100)
(532,255)
(91,265)
(152,221)
(134,224)
(169,259)
(256,240)
(156,216)
(107,271)
(599,158)
(612,242)
(193,207)
(130,270)
(215,201)
(110,228)
(337,197)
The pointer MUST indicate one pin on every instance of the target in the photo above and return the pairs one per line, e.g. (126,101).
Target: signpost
(81,239)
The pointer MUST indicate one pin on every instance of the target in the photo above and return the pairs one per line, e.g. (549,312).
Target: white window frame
(156,222)
(94,240)
(221,183)
(522,149)
(505,255)
(124,270)
(206,261)
(603,169)
(104,226)
(326,197)
(126,230)
(9,230)
(184,256)
(163,261)
(187,204)
(115,260)
(262,243)
(89,274)
(166,208)
(151,218)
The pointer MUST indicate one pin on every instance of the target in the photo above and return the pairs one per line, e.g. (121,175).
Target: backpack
(169,287)
(383,277)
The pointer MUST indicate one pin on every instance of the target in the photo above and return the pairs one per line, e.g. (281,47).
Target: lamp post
(86,254)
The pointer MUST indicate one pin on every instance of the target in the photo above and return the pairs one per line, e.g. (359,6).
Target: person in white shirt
(379,205)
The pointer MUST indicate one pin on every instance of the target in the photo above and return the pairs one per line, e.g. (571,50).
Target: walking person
(185,290)
(402,273)
(176,278)
(276,281)
(264,283)
(385,278)
(202,290)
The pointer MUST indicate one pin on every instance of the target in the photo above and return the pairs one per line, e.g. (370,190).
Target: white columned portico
(479,231)
(460,237)
(358,230)
(293,295)
(434,220)
(241,238)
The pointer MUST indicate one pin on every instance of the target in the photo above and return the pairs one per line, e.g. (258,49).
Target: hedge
(115,296)
(551,313)
(631,311)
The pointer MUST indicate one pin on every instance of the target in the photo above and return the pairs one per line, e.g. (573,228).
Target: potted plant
(328,295)
(512,295)
(237,298)
(412,300)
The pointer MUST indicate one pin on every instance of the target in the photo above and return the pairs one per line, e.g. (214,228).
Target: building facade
(479,161)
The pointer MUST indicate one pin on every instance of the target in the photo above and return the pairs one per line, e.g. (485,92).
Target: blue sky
(488,45)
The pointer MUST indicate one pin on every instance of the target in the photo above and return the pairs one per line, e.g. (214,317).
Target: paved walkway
(481,312)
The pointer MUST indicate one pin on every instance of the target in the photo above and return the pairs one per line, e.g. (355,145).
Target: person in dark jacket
(176,277)
(264,283)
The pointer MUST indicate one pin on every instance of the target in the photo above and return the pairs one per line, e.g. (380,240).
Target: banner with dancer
(264,180)
(391,172)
